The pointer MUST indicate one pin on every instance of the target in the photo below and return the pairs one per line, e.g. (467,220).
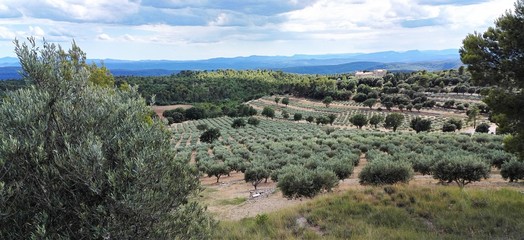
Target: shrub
(460,169)
(419,124)
(253,121)
(296,181)
(297,116)
(268,112)
(423,165)
(456,122)
(343,168)
(376,119)
(202,127)
(482,128)
(360,97)
(498,157)
(448,127)
(512,170)
(210,135)
(384,171)
(238,123)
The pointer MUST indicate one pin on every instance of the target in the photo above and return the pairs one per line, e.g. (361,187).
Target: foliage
(385,171)
(88,162)
(217,169)
(494,58)
(512,170)
(460,169)
(449,127)
(238,123)
(253,121)
(327,101)
(310,119)
(375,120)
(456,122)
(370,102)
(285,114)
(268,112)
(202,127)
(359,120)
(285,101)
(297,116)
(210,135)
(394,121)
(296,181)
(332,118)
(482,128)
(255,174)
(419,125)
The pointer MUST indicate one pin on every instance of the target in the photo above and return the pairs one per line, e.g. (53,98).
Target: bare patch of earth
(159,110)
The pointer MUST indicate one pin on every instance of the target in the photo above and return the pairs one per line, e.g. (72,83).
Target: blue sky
(200,29)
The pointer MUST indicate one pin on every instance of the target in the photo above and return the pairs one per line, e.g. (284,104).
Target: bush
(456,122)
(482,128)
(297,116)
(460,169)
(498,157)
(419,124)
(238,123)
(210,135)
(423,165)
(296,181)
(513,169)
(448,127)
(384,171)
(253,121)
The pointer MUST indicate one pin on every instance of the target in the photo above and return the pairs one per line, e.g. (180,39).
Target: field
(278,142)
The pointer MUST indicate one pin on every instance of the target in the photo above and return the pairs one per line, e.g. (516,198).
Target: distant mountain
(313,64)
(361,66)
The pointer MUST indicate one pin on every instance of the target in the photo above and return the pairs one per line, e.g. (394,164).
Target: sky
(201,29)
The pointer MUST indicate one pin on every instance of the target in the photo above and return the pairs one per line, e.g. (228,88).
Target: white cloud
(6,34)
(103,37)
(36,31)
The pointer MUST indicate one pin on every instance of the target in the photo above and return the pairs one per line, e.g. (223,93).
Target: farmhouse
(379,73)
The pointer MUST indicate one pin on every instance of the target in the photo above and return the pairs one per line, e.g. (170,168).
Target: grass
(234,201)
(397,212)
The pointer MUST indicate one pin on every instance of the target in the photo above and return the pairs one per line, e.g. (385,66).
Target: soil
(271,199)
(159,110)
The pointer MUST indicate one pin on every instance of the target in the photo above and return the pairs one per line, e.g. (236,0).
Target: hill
(307,64)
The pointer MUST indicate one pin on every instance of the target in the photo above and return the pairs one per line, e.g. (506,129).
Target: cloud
(450,2)
(103,37)
(36,31)
(6,34)
(426,22)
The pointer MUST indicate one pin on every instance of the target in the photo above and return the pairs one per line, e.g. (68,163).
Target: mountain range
(304,64)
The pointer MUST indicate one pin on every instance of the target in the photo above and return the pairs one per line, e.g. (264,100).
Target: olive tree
(84,161)
(359,120)
(420,124)
(393,121)
(460,169)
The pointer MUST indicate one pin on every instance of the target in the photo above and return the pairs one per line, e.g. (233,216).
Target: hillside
(307,64)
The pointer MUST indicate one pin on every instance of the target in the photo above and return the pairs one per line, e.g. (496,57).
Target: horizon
(184,30)
(270,56)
